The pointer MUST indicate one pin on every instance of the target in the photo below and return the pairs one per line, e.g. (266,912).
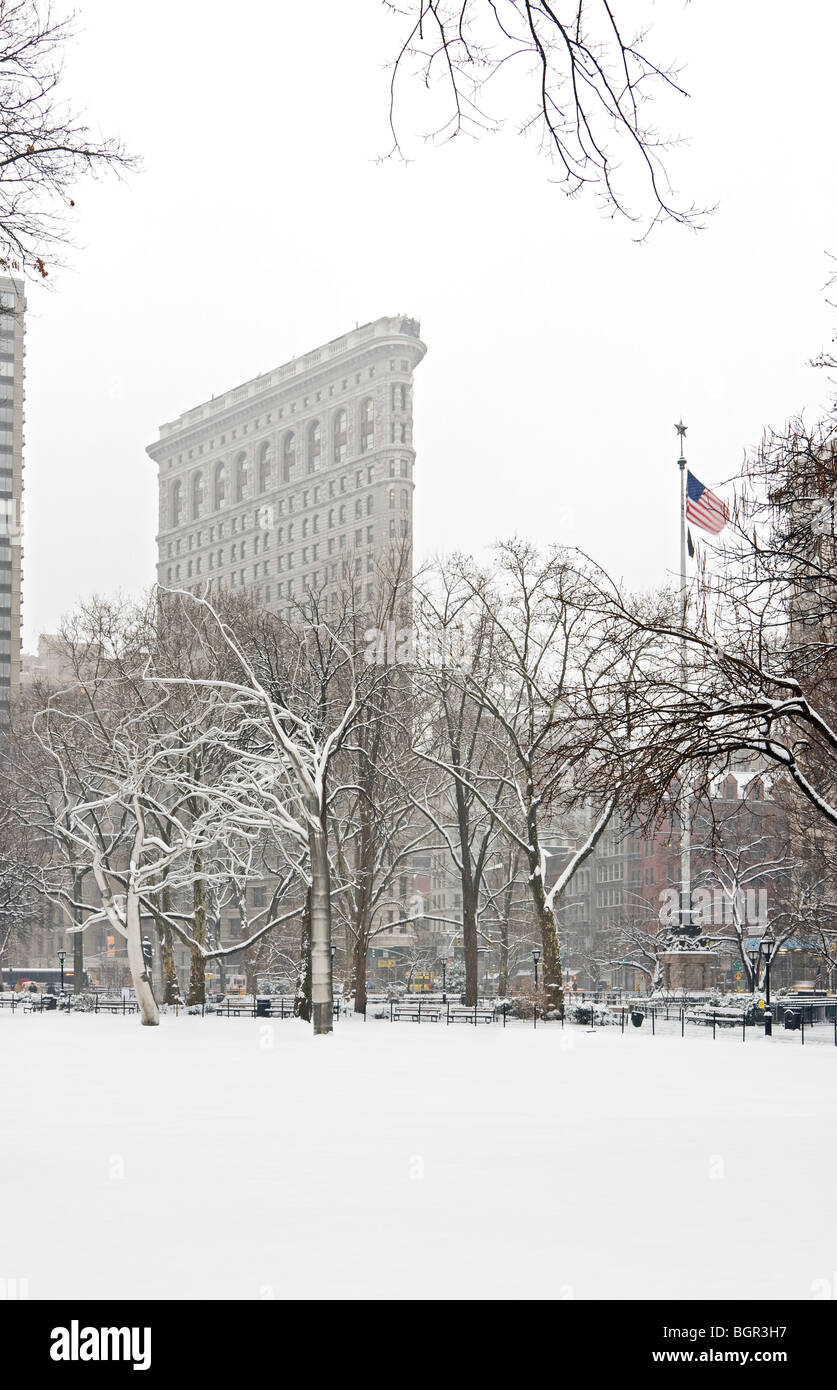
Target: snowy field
(243,1159)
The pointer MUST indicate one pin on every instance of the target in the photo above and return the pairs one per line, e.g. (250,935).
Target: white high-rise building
(12,311)
(297,479)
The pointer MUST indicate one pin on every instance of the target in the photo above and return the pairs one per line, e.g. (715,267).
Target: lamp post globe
(753,952)
(768,944)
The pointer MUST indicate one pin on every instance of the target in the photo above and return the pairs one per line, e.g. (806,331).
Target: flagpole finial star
(681,429)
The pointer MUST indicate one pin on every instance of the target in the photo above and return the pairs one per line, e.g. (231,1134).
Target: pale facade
(12,311)
(298,480)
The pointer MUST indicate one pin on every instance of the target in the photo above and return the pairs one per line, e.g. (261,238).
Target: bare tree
(588,83)
(290,705)
(535,695)
(455,736)
(44,148)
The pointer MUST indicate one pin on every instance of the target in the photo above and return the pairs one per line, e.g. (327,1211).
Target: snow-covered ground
(244,1159)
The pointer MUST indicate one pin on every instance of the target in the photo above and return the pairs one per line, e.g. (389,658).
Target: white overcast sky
(560,353)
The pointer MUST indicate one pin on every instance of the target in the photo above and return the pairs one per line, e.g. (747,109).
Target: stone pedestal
(688,969)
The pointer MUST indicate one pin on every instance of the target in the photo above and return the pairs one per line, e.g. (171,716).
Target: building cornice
(273,389)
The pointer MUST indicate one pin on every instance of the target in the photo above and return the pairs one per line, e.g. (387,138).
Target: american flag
(703,508)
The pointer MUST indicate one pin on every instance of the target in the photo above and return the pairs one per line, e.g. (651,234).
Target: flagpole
(685,820)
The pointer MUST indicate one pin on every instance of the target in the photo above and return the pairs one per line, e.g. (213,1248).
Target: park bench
(462,1013)
(724,1018)
(419,1012)
(267,1006)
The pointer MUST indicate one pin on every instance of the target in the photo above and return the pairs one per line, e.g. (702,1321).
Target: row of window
(313,444)
(240,480)
(399,399)
(308,525)
(287,561)
(313,583)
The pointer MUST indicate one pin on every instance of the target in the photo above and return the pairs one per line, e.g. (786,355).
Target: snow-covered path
(403,1161)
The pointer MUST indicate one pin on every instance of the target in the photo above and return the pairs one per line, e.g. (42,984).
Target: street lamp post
(62,956)
(536,955)
(444,979)
(768,943)
(754,952)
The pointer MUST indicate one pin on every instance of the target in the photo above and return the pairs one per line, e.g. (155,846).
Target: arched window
(289,457)
(342,517)
(220,498)
(314,447)
(176,503)
(404,500)
(358,508)
(304,527)
(370,504)
(331,516)
(197,494)
(265,465)
(341,436)
(367,425)
(392,499)
(241,477)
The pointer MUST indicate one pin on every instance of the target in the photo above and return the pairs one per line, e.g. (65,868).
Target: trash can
(768,1023)
(637,1019)
(49,1002)
(793,1018)
(262,1008)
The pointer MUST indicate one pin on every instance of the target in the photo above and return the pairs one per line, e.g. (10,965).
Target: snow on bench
(462,1013)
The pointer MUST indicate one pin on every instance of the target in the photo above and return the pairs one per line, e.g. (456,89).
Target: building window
(265,465)
(220,485)
(367,425)
(176,503)
(314,447)
(289,457)
(341,436)
(197,495)
(240,477)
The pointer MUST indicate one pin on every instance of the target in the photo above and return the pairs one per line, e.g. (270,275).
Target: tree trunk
(140,975)
(322,1010)
(168,969)
(171,984)
(503,973)
(251,972)
(197,971)
(78,939)
(359,968)
(302,997)
(469,940)
(553,980)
